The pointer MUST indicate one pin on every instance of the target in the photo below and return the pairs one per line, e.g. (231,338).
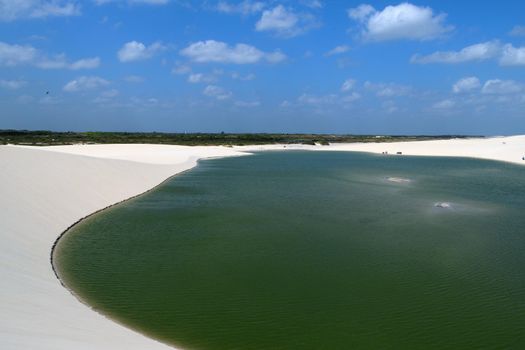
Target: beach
(47,189)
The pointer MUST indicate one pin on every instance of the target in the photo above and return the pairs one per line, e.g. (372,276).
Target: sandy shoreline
(45,190)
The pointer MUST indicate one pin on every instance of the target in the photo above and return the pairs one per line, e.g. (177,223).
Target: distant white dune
(46,189)
(507,149)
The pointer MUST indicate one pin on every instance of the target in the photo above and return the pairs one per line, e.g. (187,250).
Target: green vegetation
(47,138)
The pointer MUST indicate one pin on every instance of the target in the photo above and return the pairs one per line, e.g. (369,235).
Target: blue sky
(377,67)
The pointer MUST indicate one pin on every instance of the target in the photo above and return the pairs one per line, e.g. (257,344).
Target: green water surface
(313,250)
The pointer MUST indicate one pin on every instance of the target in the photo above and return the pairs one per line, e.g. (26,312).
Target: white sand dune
(42,192)
(508,149)
(45,190)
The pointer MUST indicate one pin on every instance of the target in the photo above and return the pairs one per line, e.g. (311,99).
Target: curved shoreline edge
(37,200)
(44,191)
(66,231)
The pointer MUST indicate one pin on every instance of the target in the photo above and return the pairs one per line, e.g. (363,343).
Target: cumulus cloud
(501,87)
(137,51)
(201,78)
(348,85)
(284,22)
(85,63)
(61,62)
(338,50)
(106,96)
(220,52)
(403,21)
(512,56)
(466,85)
(11,10)
(12,84)
(517,31)
(361,13)
(507,54)
(476,52)
(217,92)
(354,96)
(15,55)
(444,104)
(85,83)
(244,8)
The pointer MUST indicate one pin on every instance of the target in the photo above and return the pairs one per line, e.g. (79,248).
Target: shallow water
(313,250)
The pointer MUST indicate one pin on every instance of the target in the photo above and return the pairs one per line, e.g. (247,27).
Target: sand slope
(41,194)
(44,190)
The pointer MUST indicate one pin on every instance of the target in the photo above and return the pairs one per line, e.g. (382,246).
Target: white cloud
(14,55)
(512,56)
(11,10)
(508,55)
(314,4)
(466,84)
(275,57)
(85,83)
(388,89)
(217,92)
(106,96)
(85,63)
(403,21)
(444,104)
(137,51)
(501,87)
(477,52)
(361,12)
(244,8)
(284,22)
(338,50)
(201,78)
(220,52)
(277,19)
(12,84)
(518,31)
(354,96)
(348,85)
(61,62)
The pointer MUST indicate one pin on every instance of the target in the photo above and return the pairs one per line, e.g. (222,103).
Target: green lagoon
(313,250)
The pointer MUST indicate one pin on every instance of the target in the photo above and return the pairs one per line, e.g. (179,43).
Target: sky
(314,66)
